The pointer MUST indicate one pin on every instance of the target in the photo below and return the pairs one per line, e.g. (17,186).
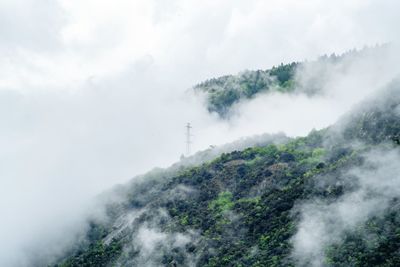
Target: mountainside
(330,198)
(224,92)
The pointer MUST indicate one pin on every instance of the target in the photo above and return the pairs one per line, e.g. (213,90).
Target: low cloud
(324,223)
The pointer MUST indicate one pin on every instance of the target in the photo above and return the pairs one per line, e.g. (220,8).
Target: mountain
(330,198)
(223,93)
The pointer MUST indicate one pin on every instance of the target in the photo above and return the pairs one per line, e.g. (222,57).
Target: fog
(94,93)
(323,224)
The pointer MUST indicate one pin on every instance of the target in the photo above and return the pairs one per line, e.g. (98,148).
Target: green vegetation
(222,203)
(97,254)
(284,74)
(225,91)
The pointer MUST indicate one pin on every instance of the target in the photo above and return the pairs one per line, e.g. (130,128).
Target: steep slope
(269,205)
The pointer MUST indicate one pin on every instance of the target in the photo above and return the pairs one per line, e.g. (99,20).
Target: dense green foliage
(284,74)
(225,91)
(379,248)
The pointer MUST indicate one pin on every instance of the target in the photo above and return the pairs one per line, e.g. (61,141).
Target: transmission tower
(188,140)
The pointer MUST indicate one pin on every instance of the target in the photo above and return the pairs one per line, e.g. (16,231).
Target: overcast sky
(93,92)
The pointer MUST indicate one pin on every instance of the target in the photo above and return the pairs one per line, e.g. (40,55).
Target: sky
(93,92)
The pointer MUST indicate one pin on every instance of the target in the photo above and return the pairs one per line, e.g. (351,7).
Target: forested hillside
(224,92)
(274,204)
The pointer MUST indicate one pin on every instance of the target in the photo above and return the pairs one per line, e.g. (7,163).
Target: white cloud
(92,92)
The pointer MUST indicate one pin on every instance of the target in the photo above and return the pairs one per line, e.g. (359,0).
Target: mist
(323,224)
(103,94)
